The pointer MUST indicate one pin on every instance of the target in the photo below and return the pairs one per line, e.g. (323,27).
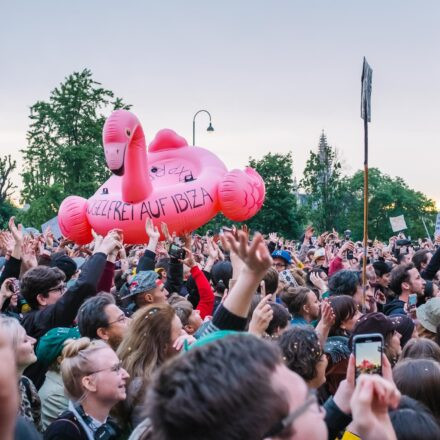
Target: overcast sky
(272,73)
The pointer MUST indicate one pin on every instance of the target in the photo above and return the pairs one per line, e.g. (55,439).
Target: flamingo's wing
(241,194)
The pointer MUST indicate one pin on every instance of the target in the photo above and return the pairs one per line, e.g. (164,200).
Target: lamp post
(210,127)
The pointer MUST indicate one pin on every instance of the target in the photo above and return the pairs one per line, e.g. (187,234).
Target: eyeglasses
(279,265)
(120,320)
(61,287)
(114,368)
(279,427)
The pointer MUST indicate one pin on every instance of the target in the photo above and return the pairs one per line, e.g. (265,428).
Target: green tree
(388,197)
(280,210)
(323,183)
(64,154)
(7,187)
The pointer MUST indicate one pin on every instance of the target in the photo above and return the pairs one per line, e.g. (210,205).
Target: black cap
(373,323)
(65,263)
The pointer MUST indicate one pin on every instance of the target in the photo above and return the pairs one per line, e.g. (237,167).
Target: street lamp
(210,127)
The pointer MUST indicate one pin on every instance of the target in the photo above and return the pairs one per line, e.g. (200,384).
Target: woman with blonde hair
(23,347)
(155,335)
(94,380)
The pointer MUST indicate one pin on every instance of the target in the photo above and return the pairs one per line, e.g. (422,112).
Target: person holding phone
(405,280)
(378,323)
(8,297)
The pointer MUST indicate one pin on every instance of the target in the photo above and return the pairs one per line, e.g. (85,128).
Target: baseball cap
(286,277)
(142,282)
(51,344)
(374,323)
(319,253)
(283,255)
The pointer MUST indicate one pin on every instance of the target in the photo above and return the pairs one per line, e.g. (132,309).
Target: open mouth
(119,171)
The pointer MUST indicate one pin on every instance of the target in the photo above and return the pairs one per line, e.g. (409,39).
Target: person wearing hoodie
(405,280)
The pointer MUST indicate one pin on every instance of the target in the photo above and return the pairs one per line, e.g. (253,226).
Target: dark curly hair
(343,282)
(301,350)
(39,280)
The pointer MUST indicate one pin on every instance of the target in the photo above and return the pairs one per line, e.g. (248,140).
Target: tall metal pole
(367,74)
(364,261)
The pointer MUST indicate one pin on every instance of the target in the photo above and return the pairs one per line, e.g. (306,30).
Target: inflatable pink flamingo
(177,184)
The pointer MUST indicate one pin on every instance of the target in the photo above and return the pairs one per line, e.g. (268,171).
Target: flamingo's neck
(136,184)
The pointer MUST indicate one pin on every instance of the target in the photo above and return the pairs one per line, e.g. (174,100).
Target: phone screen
(368,354)
(412,301)
(174,247)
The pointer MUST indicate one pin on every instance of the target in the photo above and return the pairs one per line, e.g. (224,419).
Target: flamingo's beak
(114,155)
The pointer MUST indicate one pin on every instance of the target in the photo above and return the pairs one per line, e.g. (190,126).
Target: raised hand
(17,231)
(187,240)
(189,258)
(151,230)
(327,314)
(318,282)
(166,232)
(261,317)
(97,239)
(28,254)
(273,237)
(212,249)
(372,397)
(110,242)
(7,241)
(255,256)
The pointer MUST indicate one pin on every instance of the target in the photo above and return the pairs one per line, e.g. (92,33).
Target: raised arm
(256,261)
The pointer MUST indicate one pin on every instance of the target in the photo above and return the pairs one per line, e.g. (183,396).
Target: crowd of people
(232,336)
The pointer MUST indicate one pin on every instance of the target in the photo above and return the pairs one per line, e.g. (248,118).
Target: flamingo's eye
(128,132)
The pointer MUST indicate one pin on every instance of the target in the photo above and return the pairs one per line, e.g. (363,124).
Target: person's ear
(102,333)
(89,384)
(405,286)
(306,308)
(189,329)
(41,299)
(149,298)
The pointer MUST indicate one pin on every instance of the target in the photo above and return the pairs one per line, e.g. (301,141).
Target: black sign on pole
(367,75)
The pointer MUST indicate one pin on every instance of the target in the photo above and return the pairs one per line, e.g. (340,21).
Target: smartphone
(368,351)
(14,286)
(412,302)
(176,251)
